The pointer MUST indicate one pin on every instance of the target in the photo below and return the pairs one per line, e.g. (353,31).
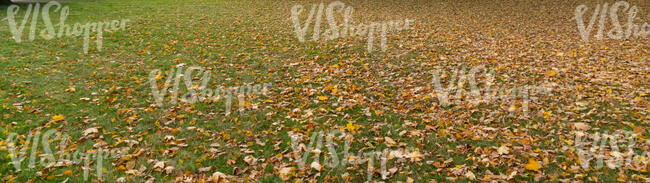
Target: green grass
(252,42)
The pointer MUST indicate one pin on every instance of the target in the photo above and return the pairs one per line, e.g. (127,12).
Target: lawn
(327,110)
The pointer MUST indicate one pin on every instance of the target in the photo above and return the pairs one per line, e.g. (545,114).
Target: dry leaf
(58,118)
(532,165)
(218,177)
(90,131)
(581,126)
(315,165)
(286,173)
(503,150)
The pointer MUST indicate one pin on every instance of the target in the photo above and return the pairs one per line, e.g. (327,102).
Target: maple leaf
(415,156)
(532,165)
(581,126)
(58,118)
(286,173)
(503,150)
(351,127)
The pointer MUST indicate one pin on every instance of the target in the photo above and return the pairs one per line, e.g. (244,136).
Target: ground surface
(381,100)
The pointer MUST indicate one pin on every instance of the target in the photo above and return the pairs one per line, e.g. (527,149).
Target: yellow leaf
(322,98)
(532,165)
(121,167)
(67,173)
(329,87)
(58,118)
(352,127)
(409,180)
(512,108)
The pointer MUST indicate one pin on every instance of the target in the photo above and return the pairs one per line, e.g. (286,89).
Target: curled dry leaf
(159,166)
(286,173)
(503,150)
(390,141)
(315,165)
(169,169)
(218,177)
(205,169)
(250,160)
(90,131)
(150,180)
(581,126)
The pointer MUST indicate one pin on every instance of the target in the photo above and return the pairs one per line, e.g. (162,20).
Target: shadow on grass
(5,2)
(21,3)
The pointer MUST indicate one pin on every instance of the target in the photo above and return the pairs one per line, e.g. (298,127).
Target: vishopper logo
(614,150)
(347,29)
(602,13)
(199,92)
(50,32)
(333,158)
(458,81)
(47,158)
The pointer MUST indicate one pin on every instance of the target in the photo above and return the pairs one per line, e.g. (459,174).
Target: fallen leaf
(58,118)
(90,131)
(218,177)
(286,173)
(389,141)
(581,126)
(532,165)
(503,150)
(315,165)
(67,173)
